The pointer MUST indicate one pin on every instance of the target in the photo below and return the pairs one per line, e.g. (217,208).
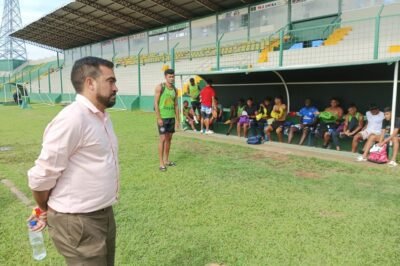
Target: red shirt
(206,95)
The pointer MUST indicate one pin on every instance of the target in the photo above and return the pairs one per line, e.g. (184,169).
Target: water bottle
(37,243)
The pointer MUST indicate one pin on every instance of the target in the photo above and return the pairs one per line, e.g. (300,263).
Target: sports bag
(254,140)
(378,154)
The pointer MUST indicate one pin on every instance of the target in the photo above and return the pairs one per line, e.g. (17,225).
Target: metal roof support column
(129,46)
(49,79)
(289,18)
(173,56)
(190,39)
(286,89)
(218,53)
(181,98)
(139,75)
(30,82)
(377,32)
(248,23)
(38,76)
(114,54)
(60,72)
(394,97)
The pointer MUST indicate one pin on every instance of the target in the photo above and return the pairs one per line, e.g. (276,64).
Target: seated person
(217,112)
(247,117)
(373,127)
(263,114)
(308,118)
(189,115)
(330,120)
(279,115)
(235,113)
(384,138)
(353,123)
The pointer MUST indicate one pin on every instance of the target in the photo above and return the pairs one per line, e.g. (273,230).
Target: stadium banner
(264,6)
(158,31)
(179,26)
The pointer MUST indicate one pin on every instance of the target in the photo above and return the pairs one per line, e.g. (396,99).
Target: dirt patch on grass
(308,175)
(270,155)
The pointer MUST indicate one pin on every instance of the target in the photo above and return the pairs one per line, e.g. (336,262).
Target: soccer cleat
(209,132)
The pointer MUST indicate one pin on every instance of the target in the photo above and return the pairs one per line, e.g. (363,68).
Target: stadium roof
(83,22)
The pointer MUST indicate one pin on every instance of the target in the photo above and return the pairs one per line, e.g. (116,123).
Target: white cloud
(32,10)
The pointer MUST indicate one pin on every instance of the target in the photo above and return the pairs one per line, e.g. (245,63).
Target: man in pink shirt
(75,180)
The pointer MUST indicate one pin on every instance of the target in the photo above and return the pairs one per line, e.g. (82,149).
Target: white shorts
(365,134)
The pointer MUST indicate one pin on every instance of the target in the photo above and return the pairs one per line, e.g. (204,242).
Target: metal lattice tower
(10,48)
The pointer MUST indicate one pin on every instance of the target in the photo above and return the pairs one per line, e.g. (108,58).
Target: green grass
(222,203)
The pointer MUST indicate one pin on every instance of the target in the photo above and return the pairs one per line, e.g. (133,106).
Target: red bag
(378,154)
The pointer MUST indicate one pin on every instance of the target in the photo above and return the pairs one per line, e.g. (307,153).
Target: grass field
(222,203)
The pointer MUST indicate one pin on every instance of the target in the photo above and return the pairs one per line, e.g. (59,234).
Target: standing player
(167,112)
(207,98)
(194,93)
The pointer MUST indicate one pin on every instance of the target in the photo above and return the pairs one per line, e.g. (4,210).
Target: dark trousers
(84,238)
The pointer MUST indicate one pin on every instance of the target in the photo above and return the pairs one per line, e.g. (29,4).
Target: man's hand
(160,122)
(41,221)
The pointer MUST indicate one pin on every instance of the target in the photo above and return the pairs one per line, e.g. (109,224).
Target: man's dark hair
(352,105)
(279,97)
(269,99)
(387,109)
(215,98)
(169,72)
(191,79)
(373,106)
(185,101)
(87,67)
(209,82)
(250,99)
(335,99)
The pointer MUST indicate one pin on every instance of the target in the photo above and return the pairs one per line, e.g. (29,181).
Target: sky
(32,10)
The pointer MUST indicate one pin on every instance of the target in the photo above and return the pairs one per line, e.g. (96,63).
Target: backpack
(254,140)
(327,117)
(378,154)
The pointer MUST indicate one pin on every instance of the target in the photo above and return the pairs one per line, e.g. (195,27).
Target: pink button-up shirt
(78,161)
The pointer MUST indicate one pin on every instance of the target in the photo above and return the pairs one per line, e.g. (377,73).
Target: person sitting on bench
(189,115)
(373,127)
(308,119)
(353,123)
(279,114)
(384,138)
(235,113)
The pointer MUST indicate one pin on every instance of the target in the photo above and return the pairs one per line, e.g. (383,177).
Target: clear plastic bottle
(37,243)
